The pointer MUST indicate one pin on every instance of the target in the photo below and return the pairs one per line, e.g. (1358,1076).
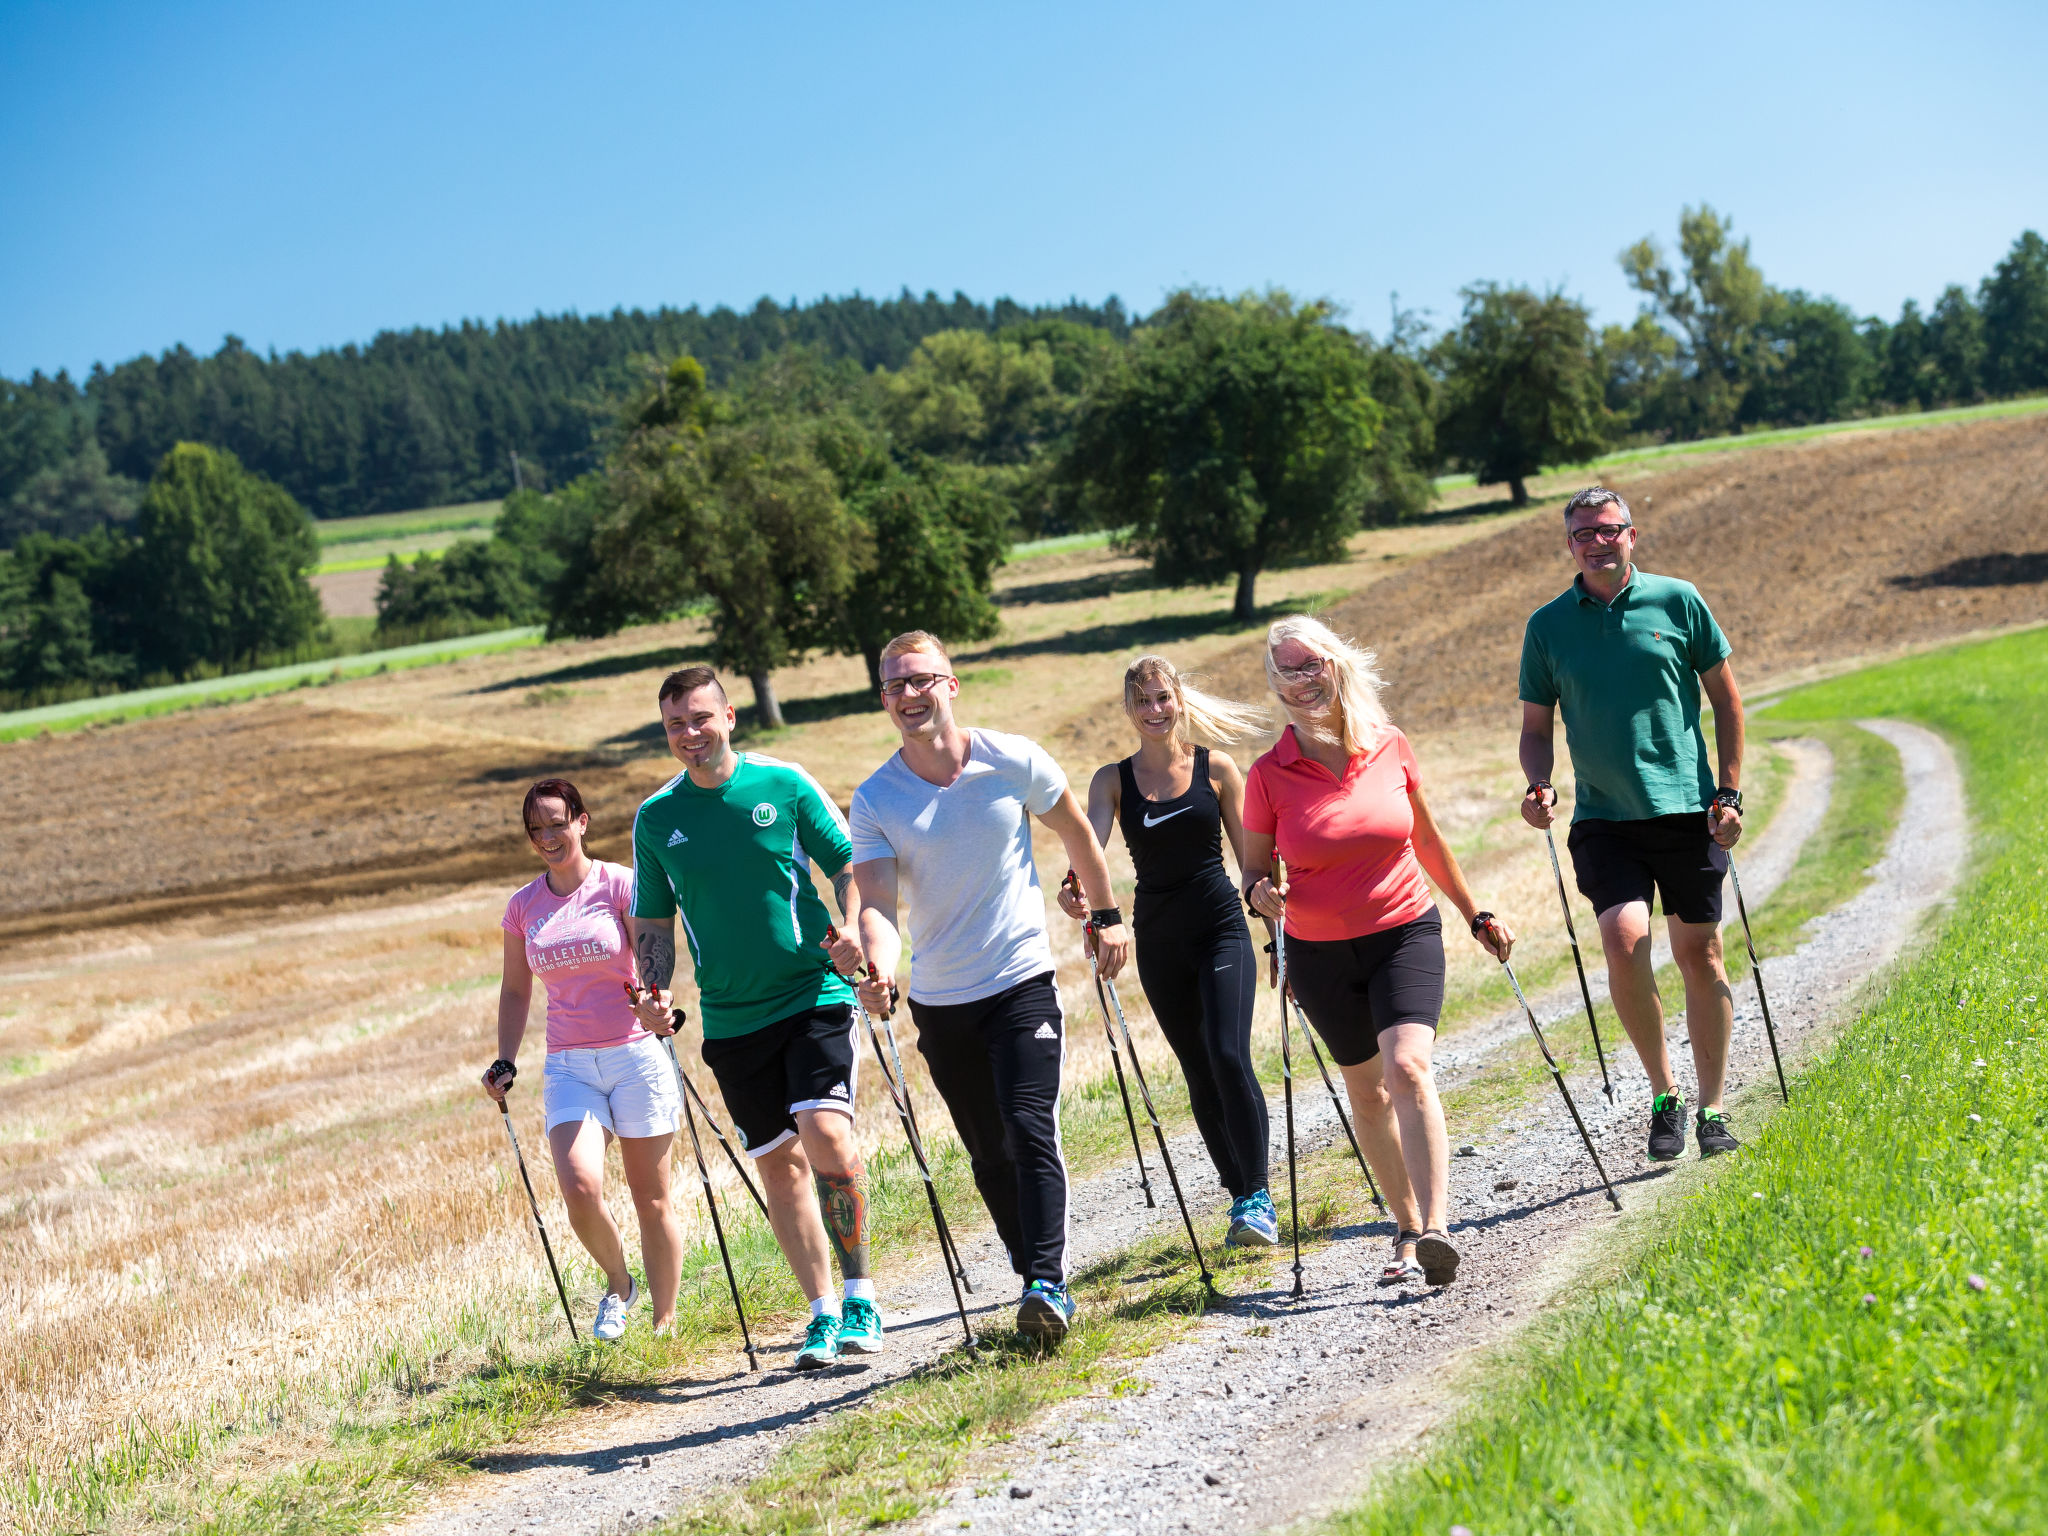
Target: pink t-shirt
(1351,865)
(578,947)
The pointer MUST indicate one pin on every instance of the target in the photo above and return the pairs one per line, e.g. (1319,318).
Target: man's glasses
(1307,672)
(1604,533)
(917,682)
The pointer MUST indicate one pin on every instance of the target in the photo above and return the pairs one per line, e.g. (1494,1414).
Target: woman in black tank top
(1176,802)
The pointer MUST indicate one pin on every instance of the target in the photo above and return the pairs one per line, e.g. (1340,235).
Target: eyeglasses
(1605,533)
(1308,671)
(917,682)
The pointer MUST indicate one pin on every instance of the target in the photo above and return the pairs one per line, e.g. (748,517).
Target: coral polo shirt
(1351,865)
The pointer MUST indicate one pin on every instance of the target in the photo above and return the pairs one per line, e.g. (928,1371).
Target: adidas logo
(676,837)
(1046,1032)
(838,1091)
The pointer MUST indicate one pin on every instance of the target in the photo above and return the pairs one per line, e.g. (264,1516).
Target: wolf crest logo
(764,815)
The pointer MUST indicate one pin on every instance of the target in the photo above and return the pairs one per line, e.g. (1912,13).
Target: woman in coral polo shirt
(1341,797)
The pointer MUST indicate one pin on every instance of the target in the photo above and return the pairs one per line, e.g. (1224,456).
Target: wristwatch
(1732,798)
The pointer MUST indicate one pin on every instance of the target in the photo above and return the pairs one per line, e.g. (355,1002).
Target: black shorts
(1618,861)
(798,1063)
(1351,989)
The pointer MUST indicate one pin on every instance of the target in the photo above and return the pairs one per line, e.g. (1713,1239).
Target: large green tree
(1714,299)
(1522,386)
(1237,433)
(223,554)
(2015,305)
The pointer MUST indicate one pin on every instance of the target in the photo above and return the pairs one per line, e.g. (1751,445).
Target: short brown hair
(684,681)
(912,641)
(551,789)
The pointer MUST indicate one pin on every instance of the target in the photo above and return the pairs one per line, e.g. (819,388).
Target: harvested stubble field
(244,1177)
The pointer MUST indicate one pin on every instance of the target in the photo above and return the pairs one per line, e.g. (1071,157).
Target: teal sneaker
(1253,1222)
(821,1344)
(1046,1312)
(860,1327)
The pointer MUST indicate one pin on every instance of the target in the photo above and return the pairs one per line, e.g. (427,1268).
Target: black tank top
(1174,843)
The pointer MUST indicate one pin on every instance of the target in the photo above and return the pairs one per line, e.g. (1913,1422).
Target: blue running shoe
(860,1327)
(821,1343)
(1253,1222)
(1046,1312)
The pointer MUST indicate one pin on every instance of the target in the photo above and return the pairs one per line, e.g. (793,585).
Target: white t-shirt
(963,864)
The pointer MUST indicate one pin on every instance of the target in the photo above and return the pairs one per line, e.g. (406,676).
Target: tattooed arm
(842,888)
(654,950)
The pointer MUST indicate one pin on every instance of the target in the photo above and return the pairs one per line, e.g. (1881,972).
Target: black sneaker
(1667,1127)
(1712,1133)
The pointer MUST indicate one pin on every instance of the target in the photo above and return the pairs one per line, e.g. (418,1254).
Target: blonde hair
(914,642)
(1214,720)
(1358,677)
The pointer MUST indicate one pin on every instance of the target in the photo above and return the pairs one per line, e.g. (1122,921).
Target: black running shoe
(1667,1127)
(1439,1260)
(1712,1133)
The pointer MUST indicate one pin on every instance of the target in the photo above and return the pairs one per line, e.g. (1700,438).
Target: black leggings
(1201,975)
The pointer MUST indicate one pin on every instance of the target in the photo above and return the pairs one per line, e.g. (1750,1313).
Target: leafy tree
(1239,432)
(1956,344)
(1400,473)
(1906,371)
(549,539)
(475,584)
(2015,305)
(1640,363)
(1715,302)
(69,498)
(1818,370)
(1522,386)
(59,618)
(222,555)
(43,422)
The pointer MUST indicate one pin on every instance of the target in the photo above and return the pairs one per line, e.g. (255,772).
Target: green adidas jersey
(736,861)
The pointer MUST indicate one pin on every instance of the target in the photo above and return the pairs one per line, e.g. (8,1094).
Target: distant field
(466,516)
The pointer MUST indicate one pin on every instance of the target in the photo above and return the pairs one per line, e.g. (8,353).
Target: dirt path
(1274,1411)
(587,1474)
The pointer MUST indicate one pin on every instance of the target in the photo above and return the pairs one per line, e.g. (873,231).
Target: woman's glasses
(1307,672)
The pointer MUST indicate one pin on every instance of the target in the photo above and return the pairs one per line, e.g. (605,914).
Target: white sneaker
(611,1313)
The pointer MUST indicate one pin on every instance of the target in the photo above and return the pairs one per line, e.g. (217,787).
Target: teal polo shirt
(1627,677)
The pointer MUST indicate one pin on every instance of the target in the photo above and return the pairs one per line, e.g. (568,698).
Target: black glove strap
(503,1070)
(1105,917)
(1479,922)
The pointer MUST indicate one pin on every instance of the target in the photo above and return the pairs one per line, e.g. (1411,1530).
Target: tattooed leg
(844,1200)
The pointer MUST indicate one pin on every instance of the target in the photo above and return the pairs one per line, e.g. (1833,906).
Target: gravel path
(625,1466)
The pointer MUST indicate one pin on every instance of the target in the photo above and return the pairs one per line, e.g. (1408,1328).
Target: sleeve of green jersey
(820,827)
(1537,685)
(1708,647)
(653,896)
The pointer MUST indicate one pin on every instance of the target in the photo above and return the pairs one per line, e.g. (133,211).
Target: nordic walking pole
(1073,882)
(1152,1114)
(505,1112)
(1336,1103)
(1756,969)
(689,1087)
(718,1230)
(1558,1078)
(906,1112)
(1287,1064)
(1571,929)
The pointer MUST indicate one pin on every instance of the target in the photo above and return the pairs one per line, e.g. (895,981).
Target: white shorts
(630,1090)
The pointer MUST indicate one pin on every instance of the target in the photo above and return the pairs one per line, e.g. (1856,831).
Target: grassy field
(1847,1330)
(379,527)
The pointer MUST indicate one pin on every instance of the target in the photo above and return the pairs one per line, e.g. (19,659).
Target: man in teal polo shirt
(1627,654)
(728,845)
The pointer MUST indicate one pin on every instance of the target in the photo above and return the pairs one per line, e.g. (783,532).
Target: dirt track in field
(1810,554)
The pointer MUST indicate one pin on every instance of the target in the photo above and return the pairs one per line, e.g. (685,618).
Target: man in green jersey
(1626,654)
(728,844)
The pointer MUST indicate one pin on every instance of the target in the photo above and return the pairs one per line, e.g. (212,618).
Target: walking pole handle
(862,971)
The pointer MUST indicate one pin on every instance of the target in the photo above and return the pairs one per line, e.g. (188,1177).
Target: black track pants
(1201,975)
(996,1062)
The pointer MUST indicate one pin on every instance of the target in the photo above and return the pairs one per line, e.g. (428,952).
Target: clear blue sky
(304,175)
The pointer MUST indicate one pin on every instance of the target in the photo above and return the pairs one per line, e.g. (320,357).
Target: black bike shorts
(1618,861)
(767,1077)
(1351,989)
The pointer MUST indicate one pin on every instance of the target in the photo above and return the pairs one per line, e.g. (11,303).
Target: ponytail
(1216,722)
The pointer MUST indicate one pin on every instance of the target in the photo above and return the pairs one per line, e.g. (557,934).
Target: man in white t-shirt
(947,822)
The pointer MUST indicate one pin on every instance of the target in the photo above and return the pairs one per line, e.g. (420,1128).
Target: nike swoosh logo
(1153,821)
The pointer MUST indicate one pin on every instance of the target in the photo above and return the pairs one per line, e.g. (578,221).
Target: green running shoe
(821,1343)
(1711,1132)
(1667,1127)
(860,1327)
(1046,1312)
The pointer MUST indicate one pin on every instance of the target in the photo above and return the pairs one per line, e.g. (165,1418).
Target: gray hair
(1593,497)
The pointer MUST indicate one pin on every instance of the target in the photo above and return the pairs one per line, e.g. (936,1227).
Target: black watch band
(503,1069)
(1105,917)
(1732,798)
(1479,921)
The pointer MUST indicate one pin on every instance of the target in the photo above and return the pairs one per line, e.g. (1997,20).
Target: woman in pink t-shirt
(606,1076)
(1340,799)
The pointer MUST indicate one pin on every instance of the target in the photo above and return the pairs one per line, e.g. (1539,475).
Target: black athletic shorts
(1618,861)
(804,1062)
(1351,989)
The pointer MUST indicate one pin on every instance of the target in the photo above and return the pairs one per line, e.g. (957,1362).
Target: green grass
(1903,422)
(400,525)
(1845,1329)
(142,704)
